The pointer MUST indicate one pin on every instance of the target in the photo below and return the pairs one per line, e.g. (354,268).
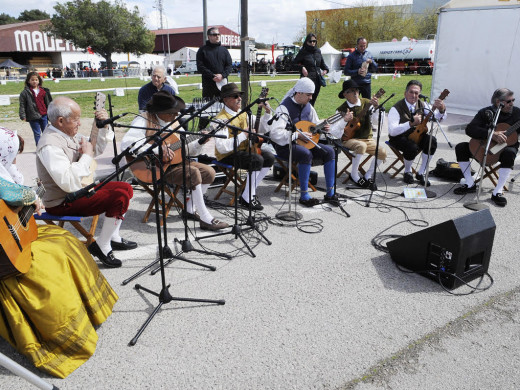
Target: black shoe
(108,260)
(309,202)
(333,200)
(191,216)
(361,183)
(408,178)
(499,200)
(214,225)
(421,180)
(255,204)
(464,189)
(372,186)
(124,245)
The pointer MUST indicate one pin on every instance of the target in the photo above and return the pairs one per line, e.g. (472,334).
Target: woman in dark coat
(34,101)
(312,65)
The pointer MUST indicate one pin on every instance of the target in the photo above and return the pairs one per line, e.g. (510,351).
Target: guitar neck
(257,120)
(512,129)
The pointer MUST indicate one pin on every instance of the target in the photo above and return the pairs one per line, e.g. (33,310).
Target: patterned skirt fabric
(50,313)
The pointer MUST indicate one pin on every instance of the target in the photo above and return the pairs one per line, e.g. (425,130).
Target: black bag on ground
(447,170)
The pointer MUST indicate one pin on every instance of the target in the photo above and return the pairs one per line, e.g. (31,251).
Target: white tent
(331,56)
(478,51)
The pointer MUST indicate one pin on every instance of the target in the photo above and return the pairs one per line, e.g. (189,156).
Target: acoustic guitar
(256,147)
(313,131)
(18,230)
(355,124)
(478,146)
(99,104)
(141,169)
(422,128)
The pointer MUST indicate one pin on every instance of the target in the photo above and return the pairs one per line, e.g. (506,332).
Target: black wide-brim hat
(164,102)
(347,84)
(230,89)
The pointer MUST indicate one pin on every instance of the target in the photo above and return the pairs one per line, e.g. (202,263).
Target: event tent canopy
(331,56)
(11,64)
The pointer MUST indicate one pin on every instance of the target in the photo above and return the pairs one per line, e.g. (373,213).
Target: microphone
(274,118)
(501,105)
(423,97)
(185,111)
(71,197)
(263,100)
(124,153)
(102,123)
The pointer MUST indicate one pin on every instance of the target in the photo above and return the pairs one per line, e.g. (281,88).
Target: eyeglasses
(236,96)
(351,91)
(215,35)
(313,41)
(509,101)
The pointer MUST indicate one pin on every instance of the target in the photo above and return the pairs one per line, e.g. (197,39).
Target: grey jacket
(28,109)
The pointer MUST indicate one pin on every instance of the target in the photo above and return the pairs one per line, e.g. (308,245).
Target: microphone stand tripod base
(430,194)
(289,216)
(476,206)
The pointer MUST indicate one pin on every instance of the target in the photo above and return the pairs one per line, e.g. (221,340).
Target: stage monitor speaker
(452,252)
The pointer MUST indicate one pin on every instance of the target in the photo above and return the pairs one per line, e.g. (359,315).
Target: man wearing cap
(63,159)
(162,109)
(214,63)
(295,107)
(158,83)
(402,119)
(258,163)
(362,141)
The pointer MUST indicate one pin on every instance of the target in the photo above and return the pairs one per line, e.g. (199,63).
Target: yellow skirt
(50,313)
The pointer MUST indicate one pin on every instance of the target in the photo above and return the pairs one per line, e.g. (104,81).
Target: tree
(105,28)
(34,14)
(7,19)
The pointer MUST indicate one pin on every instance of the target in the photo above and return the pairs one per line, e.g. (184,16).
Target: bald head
(64,114)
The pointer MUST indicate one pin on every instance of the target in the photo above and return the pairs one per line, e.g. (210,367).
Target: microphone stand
(380,117)
(429,194)
(476,206)
(114,142)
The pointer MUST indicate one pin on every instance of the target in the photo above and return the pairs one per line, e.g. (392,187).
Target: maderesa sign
(41,42)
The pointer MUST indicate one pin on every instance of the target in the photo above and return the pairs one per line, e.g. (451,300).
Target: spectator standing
(158,83)
(359,66)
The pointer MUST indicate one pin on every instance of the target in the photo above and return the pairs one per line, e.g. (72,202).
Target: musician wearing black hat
(355,131)
(258,161)
(162,109)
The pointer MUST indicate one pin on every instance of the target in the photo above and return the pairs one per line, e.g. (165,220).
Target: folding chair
(346,167)
(170,197)
(294,175)
(75,221)
(398,164)
(491,173)
(229,172)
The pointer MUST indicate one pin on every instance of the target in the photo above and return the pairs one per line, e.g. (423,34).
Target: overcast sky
(270,21)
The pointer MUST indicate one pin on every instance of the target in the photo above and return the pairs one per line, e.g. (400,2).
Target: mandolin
(256,147)
(478,146)
(422,128)
(18,230)
(355,124)
(313,131)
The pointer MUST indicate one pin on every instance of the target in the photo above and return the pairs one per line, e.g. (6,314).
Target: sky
(270,21)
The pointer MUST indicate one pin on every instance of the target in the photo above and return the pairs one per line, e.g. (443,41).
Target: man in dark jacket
(359,66)
(214,63)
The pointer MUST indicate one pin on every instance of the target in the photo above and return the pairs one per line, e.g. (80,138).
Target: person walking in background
(214,63)
(359,66)
(311,64)
(34,100)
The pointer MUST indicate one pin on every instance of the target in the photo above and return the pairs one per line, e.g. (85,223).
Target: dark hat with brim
(164,102)
(347,84)
(230,89)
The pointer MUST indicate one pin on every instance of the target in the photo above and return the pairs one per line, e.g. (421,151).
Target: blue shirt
(146,92)
(354,61)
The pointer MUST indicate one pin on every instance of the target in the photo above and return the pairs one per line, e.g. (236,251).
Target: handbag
(323,82)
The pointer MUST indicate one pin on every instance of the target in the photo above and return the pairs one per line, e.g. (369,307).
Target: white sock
(370,172)
(110,227)
(465,167)
(408,166)
(200,206)
(356,160)
(503,175)
(424,163)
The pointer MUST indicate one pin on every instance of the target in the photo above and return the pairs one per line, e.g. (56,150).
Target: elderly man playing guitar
(506,135)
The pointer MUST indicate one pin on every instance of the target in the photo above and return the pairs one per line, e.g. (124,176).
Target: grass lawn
(326,104)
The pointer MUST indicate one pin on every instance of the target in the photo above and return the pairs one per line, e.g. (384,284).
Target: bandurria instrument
(313,131)
(355,124)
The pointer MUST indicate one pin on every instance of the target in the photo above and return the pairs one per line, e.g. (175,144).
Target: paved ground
(320,308)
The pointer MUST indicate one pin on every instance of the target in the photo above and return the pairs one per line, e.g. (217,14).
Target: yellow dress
(50,313)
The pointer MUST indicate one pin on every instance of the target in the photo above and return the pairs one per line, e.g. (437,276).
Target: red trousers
(112,199)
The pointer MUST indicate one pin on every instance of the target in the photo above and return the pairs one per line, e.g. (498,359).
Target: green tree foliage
(34,14)
(104,27)
(7,19)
